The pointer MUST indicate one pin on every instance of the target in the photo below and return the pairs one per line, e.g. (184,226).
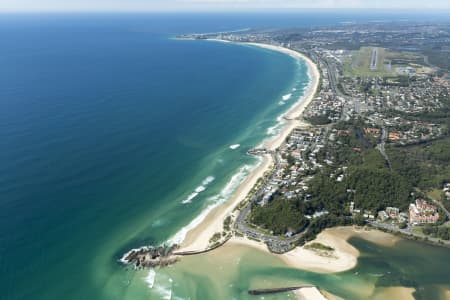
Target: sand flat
(399,292)
(310,293)
(343,258)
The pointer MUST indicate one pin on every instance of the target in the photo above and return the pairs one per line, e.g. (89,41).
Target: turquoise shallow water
(229,272)
(107,125)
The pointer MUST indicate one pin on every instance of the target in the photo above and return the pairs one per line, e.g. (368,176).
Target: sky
(182,5)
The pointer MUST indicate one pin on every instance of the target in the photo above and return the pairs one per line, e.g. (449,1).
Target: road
(439,203)
(381,146)
(406,231)
(349,103)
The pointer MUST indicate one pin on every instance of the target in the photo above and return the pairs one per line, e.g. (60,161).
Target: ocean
(115,135)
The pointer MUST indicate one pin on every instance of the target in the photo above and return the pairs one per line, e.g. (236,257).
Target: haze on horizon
(213,5)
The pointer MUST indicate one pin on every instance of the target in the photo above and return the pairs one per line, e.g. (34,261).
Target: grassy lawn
(435,194)
(417,230)
(319,246)
(359,63)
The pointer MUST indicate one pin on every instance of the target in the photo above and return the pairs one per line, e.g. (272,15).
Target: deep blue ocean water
(107,124)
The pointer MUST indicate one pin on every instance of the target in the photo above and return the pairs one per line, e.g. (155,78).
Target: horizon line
(229,10)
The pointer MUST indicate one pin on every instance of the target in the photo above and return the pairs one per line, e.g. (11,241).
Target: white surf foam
(150,279)
(275,129)
(214,201)
(287,97)
(179,237)
(199,189)
(235,146)
(232,185)
(189,198)
(124,261)
(208,180)
(163,291)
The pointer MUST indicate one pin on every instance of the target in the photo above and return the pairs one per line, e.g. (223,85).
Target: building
(351,206)
(422,212)
(372,131)
(394,135)
(383,216)
(268,196)
(393,212)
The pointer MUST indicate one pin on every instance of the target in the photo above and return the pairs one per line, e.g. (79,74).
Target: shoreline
(344,257)
(197,238)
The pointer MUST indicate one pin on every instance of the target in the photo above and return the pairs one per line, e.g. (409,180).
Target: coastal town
(374,105)
(370,149)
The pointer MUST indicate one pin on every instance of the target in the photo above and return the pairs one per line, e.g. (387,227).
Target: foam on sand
(199,189)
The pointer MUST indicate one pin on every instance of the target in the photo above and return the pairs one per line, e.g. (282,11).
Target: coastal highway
(407,231)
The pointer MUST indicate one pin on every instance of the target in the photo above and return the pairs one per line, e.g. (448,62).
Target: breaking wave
(214,201)
(287,97)
(199,189)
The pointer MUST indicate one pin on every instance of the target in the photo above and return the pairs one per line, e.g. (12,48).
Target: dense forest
(426,166)
(281,215)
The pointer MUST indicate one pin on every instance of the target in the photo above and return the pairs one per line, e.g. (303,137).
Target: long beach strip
(198,237)
(344,255)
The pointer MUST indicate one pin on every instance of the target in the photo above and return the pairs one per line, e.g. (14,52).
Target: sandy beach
(399,292)
(198,237)
(343,258)
(310,293)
